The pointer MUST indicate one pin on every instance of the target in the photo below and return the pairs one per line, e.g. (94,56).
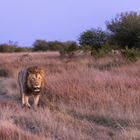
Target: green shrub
(7,48)
(131,54)
(20,49)
(40,45)
(101,52)
(86,48)
(69,49)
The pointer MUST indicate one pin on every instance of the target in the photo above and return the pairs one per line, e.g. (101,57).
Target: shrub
(101,52)
(87,49)
(131,54)
(22,49)
(40,45)
(7,48)
(12,47)
(43,45)
(69,49)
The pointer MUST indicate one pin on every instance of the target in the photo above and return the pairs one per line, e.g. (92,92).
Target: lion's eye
(39,78)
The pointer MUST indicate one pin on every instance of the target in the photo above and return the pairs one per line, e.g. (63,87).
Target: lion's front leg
(36,99)
(26,101)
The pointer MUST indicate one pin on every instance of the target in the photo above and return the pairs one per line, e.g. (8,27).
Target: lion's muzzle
(36,88)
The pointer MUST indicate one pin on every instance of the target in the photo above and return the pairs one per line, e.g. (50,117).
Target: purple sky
(25,21)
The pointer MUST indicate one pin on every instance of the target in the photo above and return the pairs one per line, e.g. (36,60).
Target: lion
(31,82)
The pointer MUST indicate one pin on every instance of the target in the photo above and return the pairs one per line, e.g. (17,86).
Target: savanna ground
(85,99)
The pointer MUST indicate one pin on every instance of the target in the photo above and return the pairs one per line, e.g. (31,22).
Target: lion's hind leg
(23,100)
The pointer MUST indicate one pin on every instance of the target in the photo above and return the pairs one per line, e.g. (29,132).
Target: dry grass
(85,99)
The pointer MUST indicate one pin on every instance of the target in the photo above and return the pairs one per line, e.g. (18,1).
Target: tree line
(121,32)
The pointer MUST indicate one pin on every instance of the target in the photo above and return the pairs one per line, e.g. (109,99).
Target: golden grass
(85,99)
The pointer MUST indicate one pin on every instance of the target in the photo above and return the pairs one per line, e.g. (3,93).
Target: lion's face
(35,79)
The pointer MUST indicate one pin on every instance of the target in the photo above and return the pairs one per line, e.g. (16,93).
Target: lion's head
(35,78)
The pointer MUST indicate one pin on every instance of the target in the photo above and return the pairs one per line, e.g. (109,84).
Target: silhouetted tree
(125,29)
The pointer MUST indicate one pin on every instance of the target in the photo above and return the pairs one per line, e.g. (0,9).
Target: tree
(40,45)
(125,29)
(56,45)
(95,38)
(22,49)
(43,45)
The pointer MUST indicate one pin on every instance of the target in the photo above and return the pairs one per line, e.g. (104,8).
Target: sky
(24,21)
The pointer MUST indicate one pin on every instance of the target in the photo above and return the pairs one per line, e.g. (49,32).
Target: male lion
(31,82)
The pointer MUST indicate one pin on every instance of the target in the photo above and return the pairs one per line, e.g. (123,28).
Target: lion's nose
(36,85)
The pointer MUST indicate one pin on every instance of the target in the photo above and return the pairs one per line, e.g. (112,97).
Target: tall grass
(85,99)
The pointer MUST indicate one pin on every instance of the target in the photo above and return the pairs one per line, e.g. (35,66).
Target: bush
(21,49)
(131,54)
(40,45)
(69,50)
(86,49)
(101,52)
(7,48)
(43,45)
(12,47)
(56,45)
